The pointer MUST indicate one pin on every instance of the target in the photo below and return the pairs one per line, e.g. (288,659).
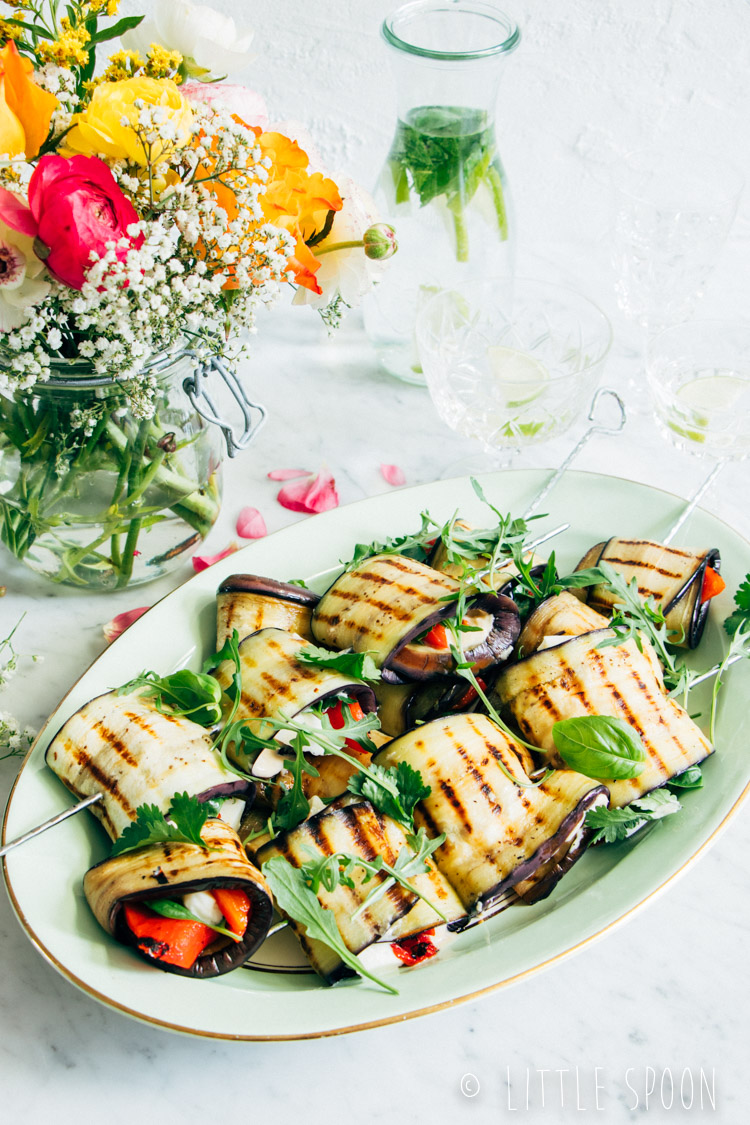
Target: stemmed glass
(511,363)
(671,214)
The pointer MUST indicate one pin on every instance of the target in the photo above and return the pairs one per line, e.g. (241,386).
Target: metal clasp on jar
(196,387)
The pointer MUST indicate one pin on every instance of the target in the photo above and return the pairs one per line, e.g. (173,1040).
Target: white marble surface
(669,989)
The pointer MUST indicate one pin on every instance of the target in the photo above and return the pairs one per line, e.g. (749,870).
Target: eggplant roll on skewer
(393,607)
(579,678)
(499,832)
(682,582)
(122,747)
(562,615)
(359,829)
(248,602)
(217,884)
(276,684)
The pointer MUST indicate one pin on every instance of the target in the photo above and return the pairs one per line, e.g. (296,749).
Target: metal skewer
(610,431)
(50,823)
(694,500)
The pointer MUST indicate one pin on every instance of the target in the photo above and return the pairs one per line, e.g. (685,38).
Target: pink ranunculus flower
(75,207)
(246,104)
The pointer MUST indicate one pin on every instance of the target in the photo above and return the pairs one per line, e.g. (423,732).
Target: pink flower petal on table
(316,494)
(287,474)
(393,475)
(114,628)
(250,524)
(202,562)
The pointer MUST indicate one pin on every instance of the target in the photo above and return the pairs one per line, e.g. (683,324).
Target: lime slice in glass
(712,394)
(518,376)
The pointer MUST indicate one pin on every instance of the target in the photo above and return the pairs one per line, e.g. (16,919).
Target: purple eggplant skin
(238,788)
(496,649)
(270,587)
(208,964)
(700,609)
(543,855)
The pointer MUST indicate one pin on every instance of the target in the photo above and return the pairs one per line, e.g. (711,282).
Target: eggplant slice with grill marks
(276,684)
(171,870)
(388,603)
(499,832)
(249,602)
(562,615)
(122,747)
(578,678)
(355,829)
(673,577)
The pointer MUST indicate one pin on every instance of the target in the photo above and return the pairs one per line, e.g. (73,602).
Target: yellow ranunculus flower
(99,130)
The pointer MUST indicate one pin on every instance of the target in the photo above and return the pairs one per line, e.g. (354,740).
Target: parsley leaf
(183,823)
(613,825)
(741,615)
(360,665)
(394,791)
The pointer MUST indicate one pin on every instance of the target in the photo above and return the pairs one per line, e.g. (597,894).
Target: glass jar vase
(443,187)
(94,494)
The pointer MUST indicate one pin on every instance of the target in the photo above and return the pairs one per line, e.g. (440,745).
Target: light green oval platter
(602,890)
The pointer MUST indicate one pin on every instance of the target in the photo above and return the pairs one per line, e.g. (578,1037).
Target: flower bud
(380,242)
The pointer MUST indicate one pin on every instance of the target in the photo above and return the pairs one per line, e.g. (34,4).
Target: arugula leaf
(192,695)
(741,615)
(292,895)
(298,582)
(415,546)
(360,665)
(294,806)
(613,825)
(168,908)
(183,823)
(599,746)
(394,791)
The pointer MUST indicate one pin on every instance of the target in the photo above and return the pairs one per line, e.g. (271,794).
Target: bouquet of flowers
(146,211)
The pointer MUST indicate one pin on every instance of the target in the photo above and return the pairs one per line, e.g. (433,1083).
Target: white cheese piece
(552,641)
(231,812)
(202,905)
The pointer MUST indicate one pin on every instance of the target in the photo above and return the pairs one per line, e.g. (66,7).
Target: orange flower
(25,108)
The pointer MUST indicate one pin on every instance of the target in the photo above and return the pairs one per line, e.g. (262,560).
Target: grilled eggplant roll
(276,683)
(119,890)
(578,678)
(562,615)
(248,602)
(389,603)
(356,829)
(498,833)
(122,747)
(674,578)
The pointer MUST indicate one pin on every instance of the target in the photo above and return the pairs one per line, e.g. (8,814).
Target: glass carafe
(442,187)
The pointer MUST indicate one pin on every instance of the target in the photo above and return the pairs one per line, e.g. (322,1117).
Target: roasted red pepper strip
(436,637)
(412,950)
(713,584)
(176,941)
(234,904)
(336,717)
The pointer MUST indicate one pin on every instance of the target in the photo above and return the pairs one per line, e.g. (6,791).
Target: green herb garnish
(168,908)
(613,825)
(394,791)
(359,665)
(183,824)
(599,746)
(293,896)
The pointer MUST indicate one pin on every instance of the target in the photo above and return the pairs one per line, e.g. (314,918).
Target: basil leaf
(292,895)
(359,665)
(692,778)
(600,747)
(168,908)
